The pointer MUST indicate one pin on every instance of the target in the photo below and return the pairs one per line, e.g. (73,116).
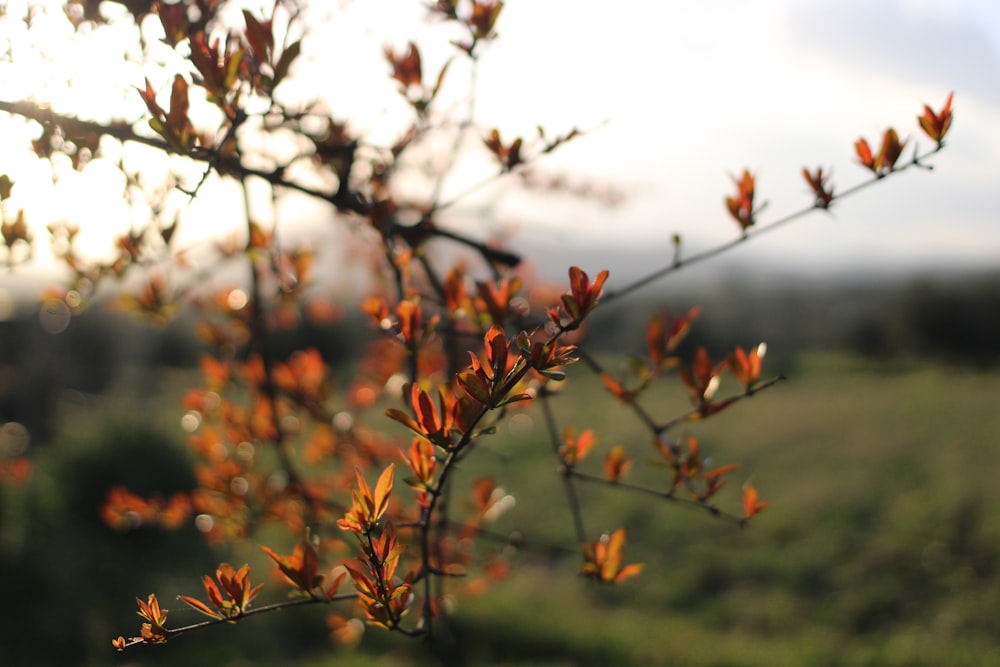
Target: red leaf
(752,505)
(741,206)
(383,487)
(406,67)
(818,183)
(616,463)
(936,125)
(865,156)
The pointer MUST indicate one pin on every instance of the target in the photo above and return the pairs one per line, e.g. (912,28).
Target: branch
(666,426)
(668,496)
(565,471)
(276,606)
(344,199)
(679,263)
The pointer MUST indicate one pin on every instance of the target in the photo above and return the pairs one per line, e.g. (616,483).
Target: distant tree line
(954,320)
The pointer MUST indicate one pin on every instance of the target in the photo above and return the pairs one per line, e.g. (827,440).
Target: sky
(674,98)
(694,92)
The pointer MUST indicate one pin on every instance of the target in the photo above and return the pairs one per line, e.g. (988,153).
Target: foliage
(456,346)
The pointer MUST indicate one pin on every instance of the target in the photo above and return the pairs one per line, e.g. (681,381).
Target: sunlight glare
(47,61)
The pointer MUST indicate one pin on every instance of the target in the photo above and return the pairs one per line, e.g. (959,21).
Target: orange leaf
(746,367)
(482,493)
(424,410)
(382,490)
(936,125)
(741,206)
(603,558)
(865,156)
(200,606)
(818,183)
(575,448)
(334,586)
(752,505)
(890,151)
(616,463)
(406,68)
(301,568)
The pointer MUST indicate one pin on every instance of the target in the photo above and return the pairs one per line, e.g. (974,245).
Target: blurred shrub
(954,320)
(64,572)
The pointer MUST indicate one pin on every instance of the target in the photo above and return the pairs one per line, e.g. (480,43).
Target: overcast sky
(694,91)
(682,94)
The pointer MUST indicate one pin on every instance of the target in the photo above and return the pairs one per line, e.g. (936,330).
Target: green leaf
(286,60)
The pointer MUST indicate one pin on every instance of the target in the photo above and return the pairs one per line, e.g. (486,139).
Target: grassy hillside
(881,545)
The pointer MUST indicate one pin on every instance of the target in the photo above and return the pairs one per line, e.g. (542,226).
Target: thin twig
(276,606)
(565,470)
(757,231)
(668,496)
(260,338)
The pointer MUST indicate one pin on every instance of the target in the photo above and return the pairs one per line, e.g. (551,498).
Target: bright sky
(695,91)
(692,92)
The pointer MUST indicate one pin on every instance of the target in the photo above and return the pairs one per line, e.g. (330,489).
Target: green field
(880,546)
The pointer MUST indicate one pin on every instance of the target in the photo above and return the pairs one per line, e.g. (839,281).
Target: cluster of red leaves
(819,184)
(437,426)
(479,18)
(124,511)
(575,447)
(617,463)
(241,411)
(495,300)
(701,378)
(301,570)
(407,322)
(546,358)
(304,379)
(249,58)
(511,156)
(508,155)
(491,381)
(688,468)
(934,124)
(423,463)
(741,205)
(368,506)
(173,125)
(581,300)
(384,596)
(153,631)
(407,71)
(602,559)
(747,366)
(884,161)
(665,333)
(230,597)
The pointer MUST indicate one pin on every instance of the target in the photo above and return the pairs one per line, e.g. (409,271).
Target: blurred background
(879,456)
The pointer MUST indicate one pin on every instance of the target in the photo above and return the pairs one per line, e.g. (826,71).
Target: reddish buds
(936,125)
